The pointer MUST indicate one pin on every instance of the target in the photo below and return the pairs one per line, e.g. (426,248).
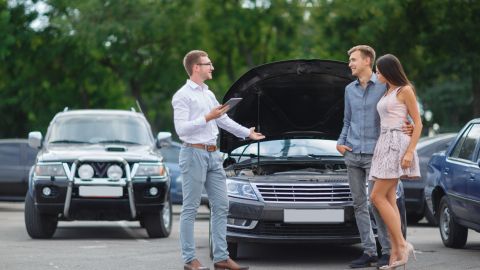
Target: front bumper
(255,221)
(66,202)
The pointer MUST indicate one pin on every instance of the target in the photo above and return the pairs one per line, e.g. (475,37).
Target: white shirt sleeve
(181,110)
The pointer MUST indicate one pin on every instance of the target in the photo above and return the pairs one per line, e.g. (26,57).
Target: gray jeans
(358,168)
(200,168)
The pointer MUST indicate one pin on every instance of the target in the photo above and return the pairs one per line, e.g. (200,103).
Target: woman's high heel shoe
(409,249)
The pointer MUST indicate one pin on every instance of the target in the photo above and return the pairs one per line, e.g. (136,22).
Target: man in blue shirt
(361,129)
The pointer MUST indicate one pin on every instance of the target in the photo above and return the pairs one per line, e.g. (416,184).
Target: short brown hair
(366,51)
(192,58)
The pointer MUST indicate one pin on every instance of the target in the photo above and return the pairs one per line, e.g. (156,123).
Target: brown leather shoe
(229,264)
(195,265)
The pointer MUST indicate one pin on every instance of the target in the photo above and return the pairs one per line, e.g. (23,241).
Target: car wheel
(432,220)
(453,235)
(38,225)
(159,225)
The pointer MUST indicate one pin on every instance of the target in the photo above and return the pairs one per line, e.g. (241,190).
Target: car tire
(39,226)
(159,225)
(453,235)
(431,219)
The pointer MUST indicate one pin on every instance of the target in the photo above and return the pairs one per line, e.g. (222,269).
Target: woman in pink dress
(394,155)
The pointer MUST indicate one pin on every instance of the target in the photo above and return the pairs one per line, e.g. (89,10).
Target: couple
(197,116)
(379,145)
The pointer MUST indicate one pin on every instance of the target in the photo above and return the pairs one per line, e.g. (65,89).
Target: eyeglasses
(205,64)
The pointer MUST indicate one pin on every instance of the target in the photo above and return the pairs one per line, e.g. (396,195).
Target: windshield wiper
(117,141)
(67,141)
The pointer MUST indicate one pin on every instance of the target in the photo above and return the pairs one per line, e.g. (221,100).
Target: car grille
(314,193)
(286,229)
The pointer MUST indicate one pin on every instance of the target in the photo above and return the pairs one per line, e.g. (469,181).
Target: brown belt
(206,147)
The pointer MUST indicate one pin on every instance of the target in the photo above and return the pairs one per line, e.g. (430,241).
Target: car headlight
(154,169)
(240,189)
(55,169)
(114,172)
(86,171)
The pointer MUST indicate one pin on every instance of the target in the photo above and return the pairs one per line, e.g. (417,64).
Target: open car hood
(289,99)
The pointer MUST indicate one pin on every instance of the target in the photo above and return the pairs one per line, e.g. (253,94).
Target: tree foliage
(108,54)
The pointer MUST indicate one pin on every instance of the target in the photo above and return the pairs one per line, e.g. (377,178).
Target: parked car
(171,150)
(98,165)
(16,160)
(452,190)
(292,186)
(414,195)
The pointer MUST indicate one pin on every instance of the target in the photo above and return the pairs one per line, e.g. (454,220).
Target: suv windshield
(290,148)
(99,129)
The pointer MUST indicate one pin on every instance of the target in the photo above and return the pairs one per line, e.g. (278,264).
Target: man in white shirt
(197,116)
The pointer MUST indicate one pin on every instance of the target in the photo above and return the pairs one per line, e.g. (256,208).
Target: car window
(98,128)
(465,148)
(9,154)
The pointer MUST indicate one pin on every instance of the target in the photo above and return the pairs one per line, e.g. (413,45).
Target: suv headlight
(154,169)
(53,169)
(240,189)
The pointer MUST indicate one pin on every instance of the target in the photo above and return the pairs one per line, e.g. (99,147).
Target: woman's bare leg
(384,198)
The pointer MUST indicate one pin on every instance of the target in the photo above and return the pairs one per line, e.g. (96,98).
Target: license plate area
(313,216)
(100,191)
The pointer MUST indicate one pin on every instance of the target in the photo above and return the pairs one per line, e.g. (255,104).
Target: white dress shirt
(190,105)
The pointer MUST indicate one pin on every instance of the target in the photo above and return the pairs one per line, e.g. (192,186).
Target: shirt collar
(194,85)
(373,79)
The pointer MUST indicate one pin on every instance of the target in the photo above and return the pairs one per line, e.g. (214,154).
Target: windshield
(289,148)
(99,129)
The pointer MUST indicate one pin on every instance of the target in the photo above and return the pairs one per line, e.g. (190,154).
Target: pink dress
(392,143)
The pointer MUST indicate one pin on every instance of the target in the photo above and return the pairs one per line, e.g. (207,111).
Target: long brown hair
(391,68)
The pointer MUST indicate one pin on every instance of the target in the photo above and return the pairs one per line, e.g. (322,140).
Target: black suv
(98,165)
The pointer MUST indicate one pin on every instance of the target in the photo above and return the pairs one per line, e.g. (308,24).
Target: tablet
(232,102)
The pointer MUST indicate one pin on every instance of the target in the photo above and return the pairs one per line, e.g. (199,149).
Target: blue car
(452,191)
(170,152)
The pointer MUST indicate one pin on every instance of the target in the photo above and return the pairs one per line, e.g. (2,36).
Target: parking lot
(125,245)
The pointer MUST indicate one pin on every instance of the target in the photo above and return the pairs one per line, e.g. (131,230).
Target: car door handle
(472,177)
(446,171)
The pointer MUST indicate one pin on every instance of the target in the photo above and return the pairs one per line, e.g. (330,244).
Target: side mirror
(164,139)
(35,139)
